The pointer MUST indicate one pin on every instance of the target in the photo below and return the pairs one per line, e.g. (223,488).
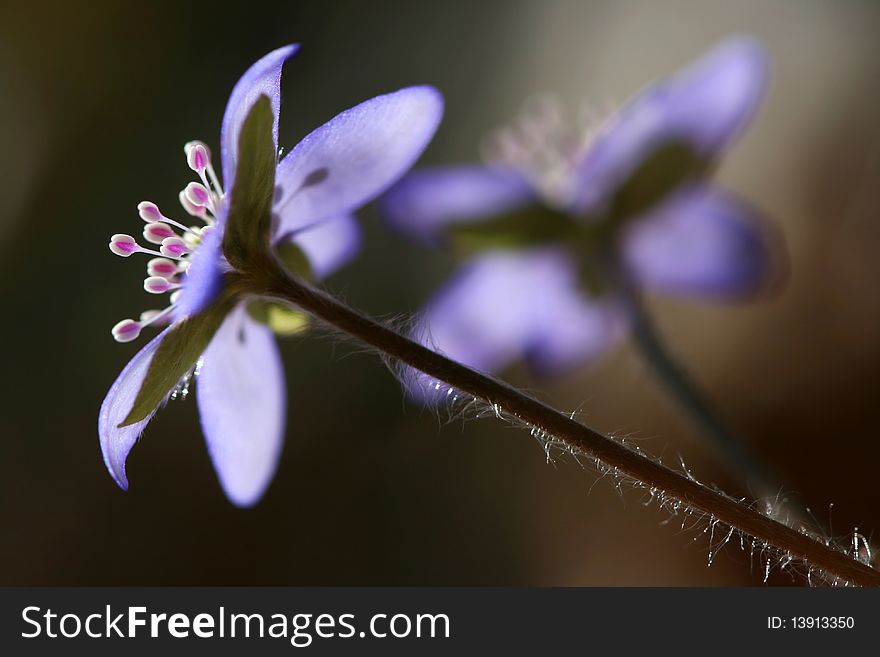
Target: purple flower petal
(503,306)
(262,78)
(330,244)
(204,276)
(116,443)
(242,403)
(355,156)
(707,105)
(572,330)
(701,242)
(425,201)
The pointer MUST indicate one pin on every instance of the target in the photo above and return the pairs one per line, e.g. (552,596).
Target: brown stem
(283,287)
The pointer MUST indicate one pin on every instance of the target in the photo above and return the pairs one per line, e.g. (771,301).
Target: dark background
(96,102)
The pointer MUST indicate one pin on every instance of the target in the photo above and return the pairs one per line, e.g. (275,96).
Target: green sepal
(249,221)
(280,319)
(665,169)
(179,351)
(524,228)
(294,259)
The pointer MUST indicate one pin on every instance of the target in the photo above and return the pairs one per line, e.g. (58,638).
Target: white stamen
(123,245)
(156,233)
(191,208)
(159,285)
(162,267)
(149,212)
(126,330)
(189,149)
(198,194)
(188,146)
(197,157)
(173,247)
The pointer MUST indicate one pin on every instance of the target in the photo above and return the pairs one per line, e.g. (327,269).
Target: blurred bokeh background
(96,102)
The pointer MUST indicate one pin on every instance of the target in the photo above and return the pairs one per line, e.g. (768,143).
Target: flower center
(175,242)
(545,145)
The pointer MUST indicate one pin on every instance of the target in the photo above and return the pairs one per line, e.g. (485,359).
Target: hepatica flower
(559,224)
(297,210)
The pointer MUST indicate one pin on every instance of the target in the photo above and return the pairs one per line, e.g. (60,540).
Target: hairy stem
(278,285)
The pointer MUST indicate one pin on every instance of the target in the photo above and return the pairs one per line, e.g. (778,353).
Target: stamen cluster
(544,143)
(175,241)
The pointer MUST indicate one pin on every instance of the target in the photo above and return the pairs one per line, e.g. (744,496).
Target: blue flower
(555,218)
(318,184)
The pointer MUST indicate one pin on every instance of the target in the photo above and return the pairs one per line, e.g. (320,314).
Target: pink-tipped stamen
(159,285)
(197,157)
(188,146)
(126,330)
(162,267)
(173,247)
(123,245)
(191,208)
(150,212)
(190,149)
(129,329)
(157,233)
(199,195)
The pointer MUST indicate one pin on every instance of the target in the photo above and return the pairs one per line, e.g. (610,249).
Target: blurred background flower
(96,99)
(561,233)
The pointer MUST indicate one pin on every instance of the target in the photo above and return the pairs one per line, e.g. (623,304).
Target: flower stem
(694,403)
(279,285)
